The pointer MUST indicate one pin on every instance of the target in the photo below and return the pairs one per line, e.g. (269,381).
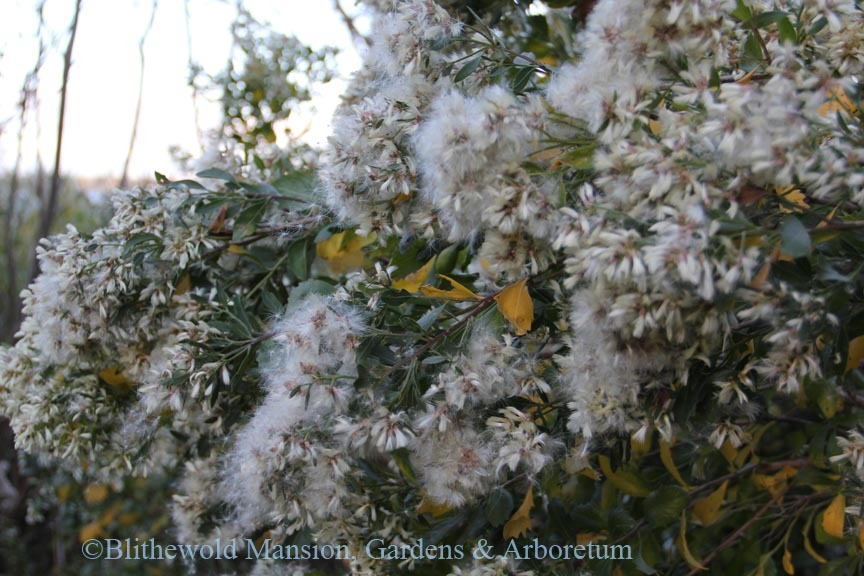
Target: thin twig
(124,177)
(49,208)
(740,531)
(349,23)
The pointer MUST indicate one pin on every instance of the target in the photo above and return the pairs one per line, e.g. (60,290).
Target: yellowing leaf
(832,520)
(794,196)
(707,509)
(427,506)
(63,492)
(625,481)
(95,493)
(639,448)
(861,533)
(343,250)
(400,199)
(116,379)
(520,523)
(836,101)
(787,563)
(239,250)
(185,284)
(90,531)
(684,549)
(587,538)
(516,306)
(729,452)
(669,463)
(413,281)
(128,519)
(856,353)
(457,292)
(809,547)
(775,483)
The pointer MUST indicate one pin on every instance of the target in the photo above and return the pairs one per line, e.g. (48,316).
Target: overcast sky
(104,78)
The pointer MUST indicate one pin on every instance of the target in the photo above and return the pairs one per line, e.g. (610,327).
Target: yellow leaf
(457,292)
(516,306)
(638,448)
(589,473)
(729,452)
(95,493)
(836,101)
(185,284)
(90,531)
(775,483)
(707,509)
(239,250)
(795,197)
(427,506)
(128,519)
(861,533)
(809,547)
(343,250)
(587,538)
(625,481)
(684,549)
(413,281)
(520,523)
(832,521)
(63,492)
(400,199)
(856,353)
(669,463)
(116,379)
(787,563)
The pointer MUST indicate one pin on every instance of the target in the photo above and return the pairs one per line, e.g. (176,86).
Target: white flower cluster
(413,153)
(287,465)
(677,155)
(369,173)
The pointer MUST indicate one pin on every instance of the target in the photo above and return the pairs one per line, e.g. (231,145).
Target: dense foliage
(574,278)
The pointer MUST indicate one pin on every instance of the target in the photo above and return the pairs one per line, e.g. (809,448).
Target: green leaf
(246,222)
(499,506)
(298,260)
(297,186)
(817,26)
(772,17)
(742,12)
(787,31)
(216,174)
(664,505)
(468,68)
(795,240)
(310,287)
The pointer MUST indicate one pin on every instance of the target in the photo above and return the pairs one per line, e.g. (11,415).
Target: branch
(28,91)
(349,22)
(740,531)
(124,177)
(49,209)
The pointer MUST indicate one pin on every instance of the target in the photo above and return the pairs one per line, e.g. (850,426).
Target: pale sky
(103,83)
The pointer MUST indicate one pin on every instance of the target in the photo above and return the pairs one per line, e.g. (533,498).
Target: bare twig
(735,536)
(192,75)
(349,23)
(28,92)
(49,208)
(124,177)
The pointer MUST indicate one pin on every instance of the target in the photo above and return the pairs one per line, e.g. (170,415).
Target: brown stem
(349,23)
(49,208)
(735,536)
(124,177)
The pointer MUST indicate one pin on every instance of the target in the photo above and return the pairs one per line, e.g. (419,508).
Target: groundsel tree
(574,278)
